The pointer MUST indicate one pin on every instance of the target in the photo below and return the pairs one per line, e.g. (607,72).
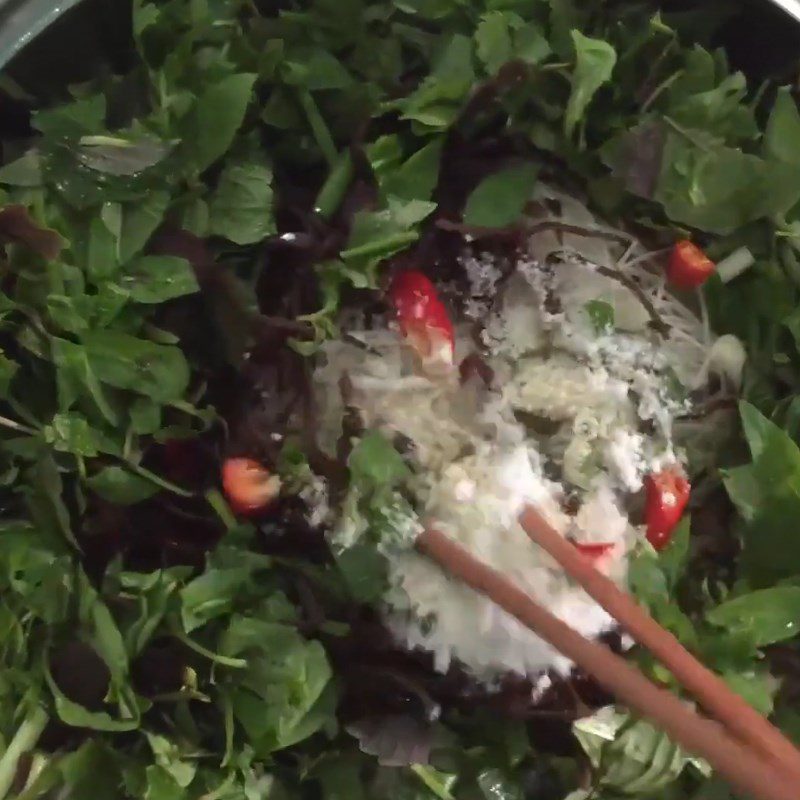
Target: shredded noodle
(607,397)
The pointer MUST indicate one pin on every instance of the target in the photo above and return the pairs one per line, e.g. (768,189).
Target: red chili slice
(666,495)
(688,265)
(422,316)
(594,551)
(249,486)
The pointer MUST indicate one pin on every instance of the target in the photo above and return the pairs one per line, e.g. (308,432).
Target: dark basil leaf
(17,226)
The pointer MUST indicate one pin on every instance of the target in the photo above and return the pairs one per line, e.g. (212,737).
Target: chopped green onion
(735,264)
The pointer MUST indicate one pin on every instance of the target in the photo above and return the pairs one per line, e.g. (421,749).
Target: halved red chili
(423,318)
(248,485)
(688,265)
(666,495)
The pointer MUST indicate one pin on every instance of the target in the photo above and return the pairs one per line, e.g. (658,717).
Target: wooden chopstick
(741,719)
(744,768)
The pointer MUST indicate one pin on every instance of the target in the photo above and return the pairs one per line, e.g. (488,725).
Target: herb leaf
(118,485)
(375,463)
(217,116)
(241,207)
(595,63)
(767,616)
(500,198)
(771,502)
(154,279)
(127,362)
(783,129)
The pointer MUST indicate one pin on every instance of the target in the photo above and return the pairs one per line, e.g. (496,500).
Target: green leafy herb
(780,139)
(376,235)
(500,198)
(595,63)
(632,756)
(154,279)
(241,208)
(127,362)
(601,315)
(149,196)
(118,156)
(768,493)
(118,485)
(375,463)
(216,117)
(768,616)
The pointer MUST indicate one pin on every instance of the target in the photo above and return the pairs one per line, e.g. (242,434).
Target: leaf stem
(686,134)
(224,661)
(24,739)
(22,412)
(227,716)
(221,508)
(220,791)
(42,776)
(319,127)
(376,248)
(17,426)
(157,480)
(433,781)
(556,66)
(336,184)
(656,323)
(660,89)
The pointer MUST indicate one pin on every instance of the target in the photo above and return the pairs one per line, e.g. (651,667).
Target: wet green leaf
(155,279)
(782,137)
(212,595)
(25,171)
(417,176)
(769,615)
(758,688)
(493,40)
(72,433)
(631,756)
(83,116)
(116,155)
(241,207)
(601,315)
(500,198)
(364,571)
(7,370)
(120,486)
(374,462)
(128,362)
(139,222)
(717,188)
(595,63)
(217,116)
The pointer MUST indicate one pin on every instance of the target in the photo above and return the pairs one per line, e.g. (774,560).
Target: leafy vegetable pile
(252,172)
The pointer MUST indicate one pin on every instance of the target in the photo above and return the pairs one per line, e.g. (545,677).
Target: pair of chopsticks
(739,743)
